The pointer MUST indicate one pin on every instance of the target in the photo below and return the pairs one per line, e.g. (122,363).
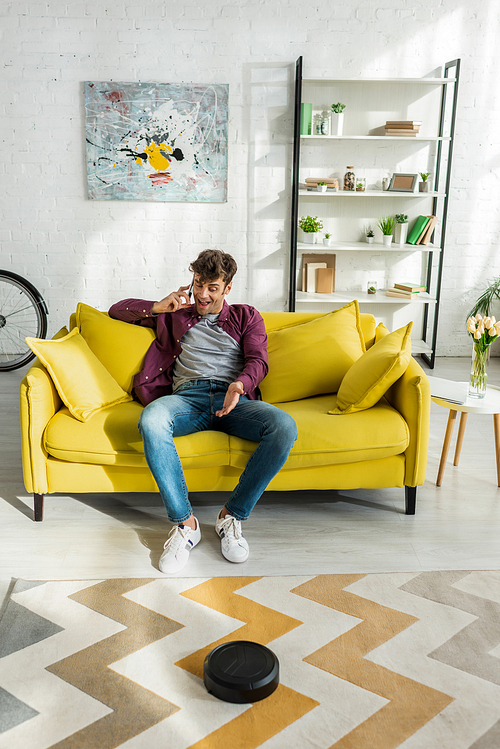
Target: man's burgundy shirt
(243,323)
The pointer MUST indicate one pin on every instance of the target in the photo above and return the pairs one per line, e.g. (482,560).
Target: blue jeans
(192,409)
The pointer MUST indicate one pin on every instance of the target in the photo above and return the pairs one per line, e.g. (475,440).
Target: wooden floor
(456,526)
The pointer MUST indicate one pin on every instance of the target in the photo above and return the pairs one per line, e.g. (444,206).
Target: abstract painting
(156,141)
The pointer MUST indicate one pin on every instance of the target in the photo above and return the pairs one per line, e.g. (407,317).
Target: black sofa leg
(410,499)
(38,507)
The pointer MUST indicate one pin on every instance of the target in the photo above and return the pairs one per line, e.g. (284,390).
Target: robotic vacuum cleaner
(241,671)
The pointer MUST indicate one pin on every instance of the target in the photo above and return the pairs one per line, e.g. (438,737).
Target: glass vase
(479,370)
(350,179)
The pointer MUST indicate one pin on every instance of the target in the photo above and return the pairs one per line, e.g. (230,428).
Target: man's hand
(174,301)
(234,391)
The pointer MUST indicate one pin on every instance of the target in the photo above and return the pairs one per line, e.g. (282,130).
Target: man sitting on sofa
(203,372)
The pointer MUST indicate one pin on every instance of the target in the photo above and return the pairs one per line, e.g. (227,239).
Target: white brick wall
(74,249)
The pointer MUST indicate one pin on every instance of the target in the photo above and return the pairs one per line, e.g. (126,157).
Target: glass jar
(325,123)
(350,179)
(317,124)
(371,287)
(360,184)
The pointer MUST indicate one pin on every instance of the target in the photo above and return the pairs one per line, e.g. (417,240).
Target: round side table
(490,404)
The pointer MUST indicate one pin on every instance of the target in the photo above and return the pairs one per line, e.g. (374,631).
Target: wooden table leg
(460,437)
(496,427)
(446,446)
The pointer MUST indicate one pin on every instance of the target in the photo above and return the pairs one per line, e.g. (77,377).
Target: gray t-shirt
(208,353)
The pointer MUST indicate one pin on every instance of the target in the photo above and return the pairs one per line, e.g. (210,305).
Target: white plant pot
(400,234)
(310,237)
(337,123)
(370,240)
(327,242)
(387,239)
(321,188)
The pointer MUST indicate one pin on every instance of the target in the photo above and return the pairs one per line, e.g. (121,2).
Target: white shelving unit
(370,102)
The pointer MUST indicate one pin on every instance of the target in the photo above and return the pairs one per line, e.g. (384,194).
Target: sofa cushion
(120,346)
(378,432)
(83,383)
(280,320)
(380,332)
(112,437)
(312,358)
(372,374)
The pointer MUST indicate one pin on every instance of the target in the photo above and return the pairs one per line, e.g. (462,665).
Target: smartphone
(190,290)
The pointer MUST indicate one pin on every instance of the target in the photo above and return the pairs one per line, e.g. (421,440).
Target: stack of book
(422,229)
(405,290)
(331,184)
(318,273)
(408,128)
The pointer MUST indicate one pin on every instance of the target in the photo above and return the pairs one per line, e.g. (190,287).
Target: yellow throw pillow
(119,345)
(371,376)
(380,332)
(312,358)
(83,383)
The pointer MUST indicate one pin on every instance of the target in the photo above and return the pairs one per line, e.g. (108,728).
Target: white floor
(456,526)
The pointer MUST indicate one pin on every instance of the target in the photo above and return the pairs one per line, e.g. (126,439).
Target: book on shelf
(411,287)
(324,281)
(313,181)
(417,229)
(402,294)
(425,237)
(408,124)
(311,275)
(401,133)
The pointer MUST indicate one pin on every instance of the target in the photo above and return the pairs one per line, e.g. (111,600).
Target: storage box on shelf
(424,107)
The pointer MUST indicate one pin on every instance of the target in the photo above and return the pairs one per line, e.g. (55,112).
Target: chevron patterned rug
(366,662)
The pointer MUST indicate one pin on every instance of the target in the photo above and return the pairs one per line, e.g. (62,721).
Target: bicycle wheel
(23,313)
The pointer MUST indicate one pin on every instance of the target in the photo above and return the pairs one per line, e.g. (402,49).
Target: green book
(418,228)
(306,119)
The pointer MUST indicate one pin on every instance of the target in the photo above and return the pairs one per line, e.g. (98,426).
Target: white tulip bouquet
(484,331)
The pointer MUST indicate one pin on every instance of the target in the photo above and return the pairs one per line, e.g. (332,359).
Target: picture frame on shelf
(403,182)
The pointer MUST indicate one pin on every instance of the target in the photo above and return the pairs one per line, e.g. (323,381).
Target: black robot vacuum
(241,671)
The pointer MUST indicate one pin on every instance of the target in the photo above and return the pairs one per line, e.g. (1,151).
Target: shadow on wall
(268,92)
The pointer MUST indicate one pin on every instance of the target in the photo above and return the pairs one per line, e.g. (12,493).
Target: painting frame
(403,182)
(157,141)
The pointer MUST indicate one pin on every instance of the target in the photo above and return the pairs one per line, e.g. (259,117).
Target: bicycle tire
(23,312)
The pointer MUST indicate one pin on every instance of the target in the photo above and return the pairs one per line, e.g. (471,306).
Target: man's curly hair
(213,264)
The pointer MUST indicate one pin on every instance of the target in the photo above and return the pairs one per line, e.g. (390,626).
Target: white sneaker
(179,543)
(232,544)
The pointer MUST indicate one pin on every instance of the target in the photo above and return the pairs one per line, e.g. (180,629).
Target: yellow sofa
(382,446)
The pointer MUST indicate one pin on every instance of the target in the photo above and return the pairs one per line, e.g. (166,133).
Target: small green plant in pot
(369,235)
(321,187)
(337,118)
(327,239)
(311,226)
(401,228)
(386,225)
(425,185)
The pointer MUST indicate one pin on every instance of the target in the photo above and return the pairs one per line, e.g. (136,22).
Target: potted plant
(386,226)
(321,187)
(311,226)
(337,118)
(401,228)
(424,186)
(369,235)
(327,239)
